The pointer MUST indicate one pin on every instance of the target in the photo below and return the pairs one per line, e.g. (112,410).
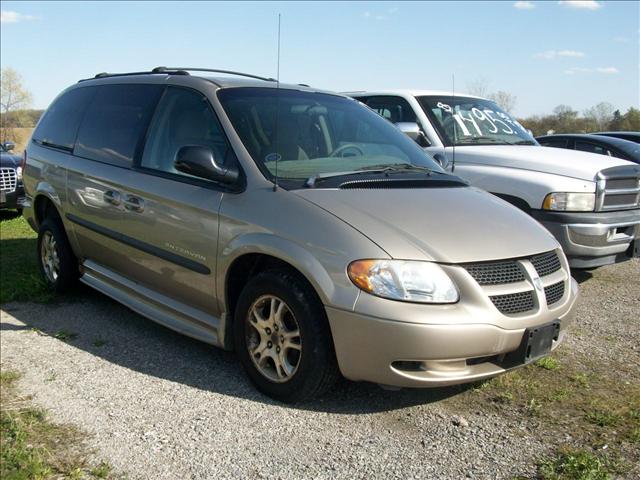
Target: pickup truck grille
(618,188)
(8,179)
(513,275)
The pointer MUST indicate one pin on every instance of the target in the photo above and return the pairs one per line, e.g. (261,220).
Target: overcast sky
(545,53)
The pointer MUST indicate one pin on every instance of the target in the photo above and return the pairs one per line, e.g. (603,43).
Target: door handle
(112,197)
(133,204)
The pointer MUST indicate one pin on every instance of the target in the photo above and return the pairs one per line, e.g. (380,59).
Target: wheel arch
(261,252)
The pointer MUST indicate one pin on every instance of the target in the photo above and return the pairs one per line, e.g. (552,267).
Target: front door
(172,217)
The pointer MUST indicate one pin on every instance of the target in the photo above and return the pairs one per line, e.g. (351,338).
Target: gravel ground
(162,406)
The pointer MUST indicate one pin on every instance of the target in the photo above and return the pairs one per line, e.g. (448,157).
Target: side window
(59,126)
(183,117)
(394,109)
(590,147)
(554,142)
(115,122)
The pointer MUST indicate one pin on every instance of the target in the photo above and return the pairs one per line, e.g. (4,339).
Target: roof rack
(108,75)
(177,71)
(213,70)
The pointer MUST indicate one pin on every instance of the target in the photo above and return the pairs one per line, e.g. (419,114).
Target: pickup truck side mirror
(414,132)
(441,159)
(8,146)
(201,162)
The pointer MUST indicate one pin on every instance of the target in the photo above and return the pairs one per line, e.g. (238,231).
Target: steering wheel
(339,152)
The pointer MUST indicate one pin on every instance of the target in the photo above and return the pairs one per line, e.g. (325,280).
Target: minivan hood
(449,225)
(559,161)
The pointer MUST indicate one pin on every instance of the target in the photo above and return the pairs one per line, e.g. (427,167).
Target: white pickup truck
(591,203)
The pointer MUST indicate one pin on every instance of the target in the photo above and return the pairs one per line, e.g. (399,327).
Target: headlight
(19,173)
(570,202)
(408,281)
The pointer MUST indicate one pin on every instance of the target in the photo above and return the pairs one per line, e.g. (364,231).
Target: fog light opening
(409,366)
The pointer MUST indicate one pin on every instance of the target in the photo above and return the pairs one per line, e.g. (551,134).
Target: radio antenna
(455,136)
(275,131)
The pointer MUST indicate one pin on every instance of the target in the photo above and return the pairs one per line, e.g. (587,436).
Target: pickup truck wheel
(58,264)
(282,337)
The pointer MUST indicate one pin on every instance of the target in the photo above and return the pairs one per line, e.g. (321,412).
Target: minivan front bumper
(593,239)
(433,354)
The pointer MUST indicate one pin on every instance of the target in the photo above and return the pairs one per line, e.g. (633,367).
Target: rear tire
(282,337)
(58,265)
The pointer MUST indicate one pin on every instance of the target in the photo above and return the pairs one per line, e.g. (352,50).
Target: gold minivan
(292,225)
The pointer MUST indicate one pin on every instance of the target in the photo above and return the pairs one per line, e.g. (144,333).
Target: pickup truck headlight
(570,202)
(19,173)
(408,281)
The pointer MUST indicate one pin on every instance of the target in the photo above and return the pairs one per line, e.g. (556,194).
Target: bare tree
(601,114)
(478,87)
(505,100)
(13,98)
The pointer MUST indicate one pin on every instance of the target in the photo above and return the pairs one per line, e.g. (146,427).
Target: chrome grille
(554,293)
(514,303)
(496,273)
(618,188)
(546,263)
(8,179)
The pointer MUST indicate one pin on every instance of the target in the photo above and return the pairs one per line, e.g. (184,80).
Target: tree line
(599,118)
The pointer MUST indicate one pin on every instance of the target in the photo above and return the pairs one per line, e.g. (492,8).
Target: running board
(155,306)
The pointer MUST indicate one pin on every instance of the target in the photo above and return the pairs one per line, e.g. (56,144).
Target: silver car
(292,225)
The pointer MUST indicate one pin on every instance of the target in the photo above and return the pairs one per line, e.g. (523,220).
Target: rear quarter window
(59,125)
(115,123)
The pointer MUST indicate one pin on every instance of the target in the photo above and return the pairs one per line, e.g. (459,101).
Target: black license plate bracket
(537,341)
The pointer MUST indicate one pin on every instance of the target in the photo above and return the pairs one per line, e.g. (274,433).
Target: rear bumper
(593,239)
(12,200)
(381,351)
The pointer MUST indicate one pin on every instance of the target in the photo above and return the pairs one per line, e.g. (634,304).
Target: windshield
(473,121)
(318,134)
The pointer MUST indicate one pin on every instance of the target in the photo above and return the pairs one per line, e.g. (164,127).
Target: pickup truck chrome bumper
(594,239)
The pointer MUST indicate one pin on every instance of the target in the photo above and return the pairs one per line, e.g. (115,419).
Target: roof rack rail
(213,70)
(108,75)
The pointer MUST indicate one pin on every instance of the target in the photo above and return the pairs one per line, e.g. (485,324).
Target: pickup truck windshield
(473,121)
(317,134)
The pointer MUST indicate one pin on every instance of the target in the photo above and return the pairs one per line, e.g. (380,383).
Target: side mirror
(442,160)
(9,146)
(201,162)
(413,131)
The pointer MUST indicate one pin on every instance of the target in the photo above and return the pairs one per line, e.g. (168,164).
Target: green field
(19,276)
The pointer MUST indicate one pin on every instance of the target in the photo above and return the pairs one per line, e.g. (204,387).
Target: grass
(548,363)
(35,448)
(566,393)
(65,335)
(573,464)
(20,279)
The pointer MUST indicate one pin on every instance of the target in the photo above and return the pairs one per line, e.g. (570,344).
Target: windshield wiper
(480,139)
(397,167)
(314,179)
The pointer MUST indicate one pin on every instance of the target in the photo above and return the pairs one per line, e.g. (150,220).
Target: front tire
(282,337)
(56,260)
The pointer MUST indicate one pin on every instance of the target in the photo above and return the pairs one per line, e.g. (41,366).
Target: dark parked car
(631,136)
(604,145)
(11,189)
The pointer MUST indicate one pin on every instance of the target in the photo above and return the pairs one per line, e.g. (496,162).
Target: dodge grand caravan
(591,203)
(294,226)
